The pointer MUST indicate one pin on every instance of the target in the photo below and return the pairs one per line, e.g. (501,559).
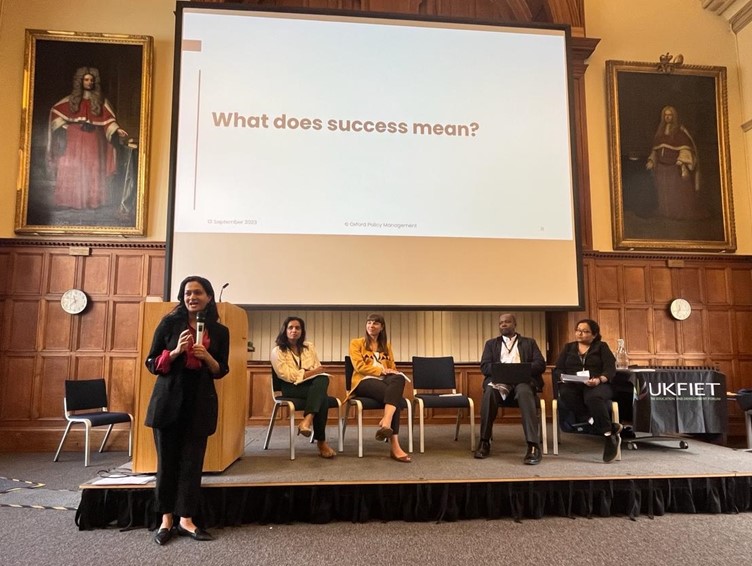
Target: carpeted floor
(24,493)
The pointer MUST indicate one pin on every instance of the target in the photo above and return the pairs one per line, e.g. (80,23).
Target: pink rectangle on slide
(191,45)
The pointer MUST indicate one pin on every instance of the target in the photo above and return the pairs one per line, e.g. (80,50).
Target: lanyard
(511,346)
(298,360)
(583,357)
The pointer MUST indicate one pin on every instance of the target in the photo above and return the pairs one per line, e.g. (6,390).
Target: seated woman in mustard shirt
(376,376)
(293,360)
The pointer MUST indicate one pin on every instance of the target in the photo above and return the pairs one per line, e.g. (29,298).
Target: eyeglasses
(581,331)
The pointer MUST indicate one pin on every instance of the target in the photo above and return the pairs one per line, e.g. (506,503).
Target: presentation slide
(386,148)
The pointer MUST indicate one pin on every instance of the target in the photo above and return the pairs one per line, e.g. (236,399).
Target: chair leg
(421,422)
(62,440)
(615,418)
(471,409)
(345,410)
(544,431)
(555,425)
(87,439)
(291,410)
(106,436)
(748,427)
(270,428)
(359,409)
(457,425)
(130,438)
(340,430)
(409,427)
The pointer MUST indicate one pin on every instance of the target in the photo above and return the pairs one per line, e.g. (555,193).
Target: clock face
(74,301)
(680,309)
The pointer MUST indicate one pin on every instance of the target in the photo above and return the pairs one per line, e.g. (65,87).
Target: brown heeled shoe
(307,432)
(404,459)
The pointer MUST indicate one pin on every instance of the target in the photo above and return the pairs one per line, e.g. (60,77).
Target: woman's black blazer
(167,397)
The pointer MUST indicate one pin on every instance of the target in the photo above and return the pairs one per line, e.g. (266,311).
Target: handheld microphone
(200,321)
(222,290)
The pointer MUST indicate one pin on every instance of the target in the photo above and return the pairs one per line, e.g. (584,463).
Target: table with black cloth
(680,401)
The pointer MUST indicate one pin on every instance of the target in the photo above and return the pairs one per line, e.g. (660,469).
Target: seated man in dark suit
(510,347)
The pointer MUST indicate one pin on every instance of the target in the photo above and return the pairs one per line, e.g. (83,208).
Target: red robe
(87,158)
(677,193)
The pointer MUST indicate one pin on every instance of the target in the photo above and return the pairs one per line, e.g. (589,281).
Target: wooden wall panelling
(743,328)
(155,275)
(96,272)
(42,346)
(17,388)
(5,271)
(692,336)
(391,6)
(690,284)
(50,387)
(26,273)
(635,284)
(661,284)
(61,274)
(638,333)
(719,327)
(24,325)
(57,330)
(91,327)
(741,287)
(717,286)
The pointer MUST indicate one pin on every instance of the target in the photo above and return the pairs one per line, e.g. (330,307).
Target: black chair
(366,403)
(296,404)
(437,374)
(557,423)
(90,395)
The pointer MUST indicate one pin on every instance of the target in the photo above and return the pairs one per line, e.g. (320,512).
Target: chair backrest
(434,373)
(349,370)
(275,382)
(83,394)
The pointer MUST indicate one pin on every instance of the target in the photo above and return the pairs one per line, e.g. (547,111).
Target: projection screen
(329,160)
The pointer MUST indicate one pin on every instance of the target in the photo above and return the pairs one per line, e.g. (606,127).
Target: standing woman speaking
(183,406)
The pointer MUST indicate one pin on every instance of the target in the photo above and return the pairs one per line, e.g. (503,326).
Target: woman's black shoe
(198,534)
(612,445)
(163,536)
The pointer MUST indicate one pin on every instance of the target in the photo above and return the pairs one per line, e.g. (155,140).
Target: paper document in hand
(311,377)
(569,378)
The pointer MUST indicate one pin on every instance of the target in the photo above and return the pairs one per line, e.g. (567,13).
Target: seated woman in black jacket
(588,353)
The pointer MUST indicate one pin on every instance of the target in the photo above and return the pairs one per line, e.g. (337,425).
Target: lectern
(226,444)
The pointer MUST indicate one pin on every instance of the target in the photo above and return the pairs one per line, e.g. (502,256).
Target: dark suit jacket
(167,397)
(529,352)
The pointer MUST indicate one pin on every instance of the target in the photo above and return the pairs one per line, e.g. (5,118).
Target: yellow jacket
(363,361)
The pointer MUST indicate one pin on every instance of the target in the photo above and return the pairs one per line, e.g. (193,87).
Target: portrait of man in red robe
(674,162)
(81,152)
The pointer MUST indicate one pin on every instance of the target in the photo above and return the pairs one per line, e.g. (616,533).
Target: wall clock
(680,309)
(74,301)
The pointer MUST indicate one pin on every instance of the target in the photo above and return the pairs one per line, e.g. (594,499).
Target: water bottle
(622,360)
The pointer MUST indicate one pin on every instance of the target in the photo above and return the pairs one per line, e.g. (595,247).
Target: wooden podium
(227,443)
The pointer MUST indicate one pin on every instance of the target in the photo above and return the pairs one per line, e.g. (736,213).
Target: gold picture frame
(669,156)
(83,156)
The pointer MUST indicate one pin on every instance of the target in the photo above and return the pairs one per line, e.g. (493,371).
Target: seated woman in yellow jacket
(376,376)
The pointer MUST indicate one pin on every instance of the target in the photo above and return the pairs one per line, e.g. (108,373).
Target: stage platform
(445,483)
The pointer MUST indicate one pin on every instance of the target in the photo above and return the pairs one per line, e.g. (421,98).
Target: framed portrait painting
(84,134)
(669,157)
